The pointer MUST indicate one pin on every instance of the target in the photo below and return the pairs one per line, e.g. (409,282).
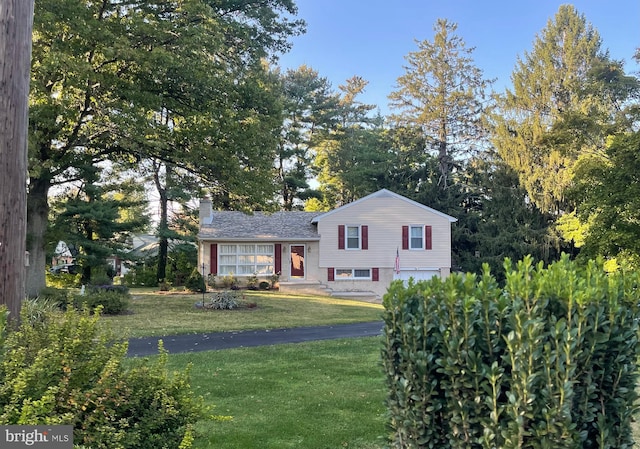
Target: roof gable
(384,193)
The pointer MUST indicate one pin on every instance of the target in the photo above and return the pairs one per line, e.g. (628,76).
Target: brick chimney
(206,212)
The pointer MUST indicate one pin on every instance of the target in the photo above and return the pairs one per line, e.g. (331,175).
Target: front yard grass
(156,313)
(316,395)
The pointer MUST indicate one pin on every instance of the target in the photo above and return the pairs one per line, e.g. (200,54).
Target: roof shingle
(284,225)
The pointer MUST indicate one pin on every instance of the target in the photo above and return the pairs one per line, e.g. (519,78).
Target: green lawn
(315,395)
(156,314)
(327,394)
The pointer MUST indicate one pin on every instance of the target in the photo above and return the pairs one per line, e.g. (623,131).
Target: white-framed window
(352,273)
(246,259)
(416,237)
(352,237)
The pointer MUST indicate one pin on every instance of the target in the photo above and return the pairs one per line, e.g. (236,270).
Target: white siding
(384,217)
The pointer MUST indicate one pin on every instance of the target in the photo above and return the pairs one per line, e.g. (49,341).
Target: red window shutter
(375,274)
(427,237)
(405,237)
(213,266)
(340,236)
(330,274)
(278,258)
(365,236)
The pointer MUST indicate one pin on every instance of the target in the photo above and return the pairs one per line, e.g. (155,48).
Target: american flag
(397,266)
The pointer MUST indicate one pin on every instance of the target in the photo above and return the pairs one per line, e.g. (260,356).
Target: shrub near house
(548,361)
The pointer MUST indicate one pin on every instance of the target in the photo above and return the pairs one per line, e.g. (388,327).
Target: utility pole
(16,25)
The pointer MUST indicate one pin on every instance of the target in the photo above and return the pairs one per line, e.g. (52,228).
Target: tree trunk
(16,23)
(163,242)
(163,226)
(37,220)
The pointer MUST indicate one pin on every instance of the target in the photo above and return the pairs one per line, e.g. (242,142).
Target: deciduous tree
(102,70)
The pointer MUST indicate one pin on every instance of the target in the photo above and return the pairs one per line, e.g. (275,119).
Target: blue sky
(370,38)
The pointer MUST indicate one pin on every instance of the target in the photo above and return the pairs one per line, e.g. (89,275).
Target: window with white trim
(352,237)
(416,237)
(245,259)
(352,273)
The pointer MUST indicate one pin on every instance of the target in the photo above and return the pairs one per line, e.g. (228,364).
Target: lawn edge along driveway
(173,344)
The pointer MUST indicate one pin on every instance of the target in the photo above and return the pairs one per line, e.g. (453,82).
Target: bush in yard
(224,300)
(58,296)
(141,276)
(195,282)
(112,299)
(548,361)
(63,280)
(66,370)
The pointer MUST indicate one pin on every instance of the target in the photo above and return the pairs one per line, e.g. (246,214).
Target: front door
(297,261)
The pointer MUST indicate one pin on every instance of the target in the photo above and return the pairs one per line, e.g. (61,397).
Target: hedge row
(547,361)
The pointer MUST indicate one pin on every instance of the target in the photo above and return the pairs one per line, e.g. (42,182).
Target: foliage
(609,200)
(59,296)
(350,158)
(63,280)
(101,72)
(496,220)
(141,276)
(36,310)
(229,281)
(274,278)
(111,300)
(309,106)
(541,125)
(548,361)
(224,300)
(195,282)
(182,259)
(92,219)
(252,282)
(442,93)
(65,370)
(264,285)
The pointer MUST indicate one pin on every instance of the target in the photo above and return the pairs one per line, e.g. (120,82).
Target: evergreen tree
(309,106)
(500,221)
(92,219)
(541,125)
(442,93)
(351,159)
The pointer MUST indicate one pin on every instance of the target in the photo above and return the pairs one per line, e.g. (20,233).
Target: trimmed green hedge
(548,361)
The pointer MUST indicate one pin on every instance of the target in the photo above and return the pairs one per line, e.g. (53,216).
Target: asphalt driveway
(139,347)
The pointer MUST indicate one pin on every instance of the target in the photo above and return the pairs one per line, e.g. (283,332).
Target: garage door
(417,275)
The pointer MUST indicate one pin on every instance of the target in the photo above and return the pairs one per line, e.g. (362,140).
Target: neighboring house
(358,248)
(62,255)
(143,247)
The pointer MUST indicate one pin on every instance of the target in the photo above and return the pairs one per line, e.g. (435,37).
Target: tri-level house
(356,249)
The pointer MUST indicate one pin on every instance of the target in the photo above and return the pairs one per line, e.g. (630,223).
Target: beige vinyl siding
(384,217)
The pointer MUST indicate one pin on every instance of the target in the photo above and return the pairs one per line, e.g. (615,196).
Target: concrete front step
(317,288)
(304,287)
(357,296)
